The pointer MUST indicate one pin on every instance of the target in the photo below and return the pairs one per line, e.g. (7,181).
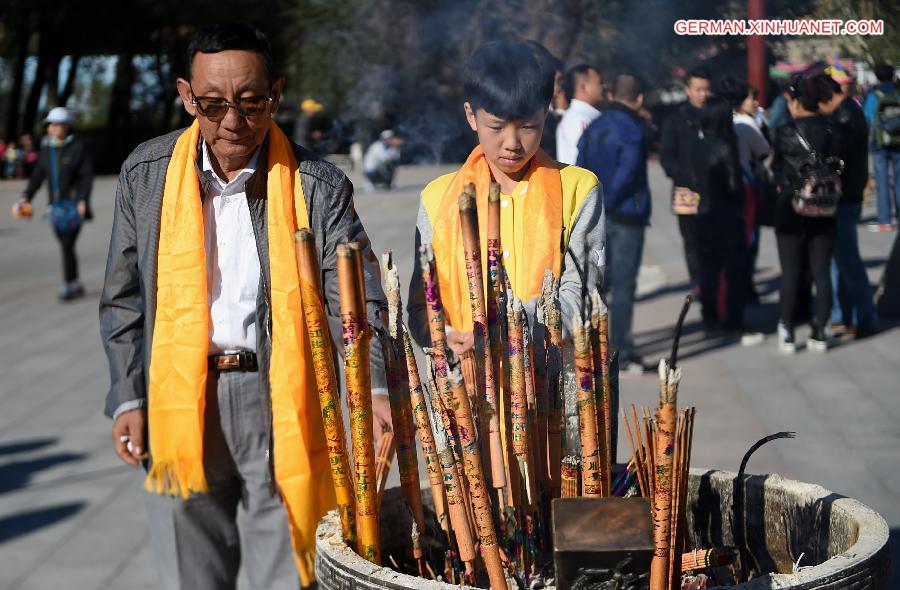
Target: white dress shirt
(232,260)
(577,118)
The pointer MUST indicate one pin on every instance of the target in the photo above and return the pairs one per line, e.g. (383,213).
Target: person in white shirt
(584,86)
(381,159)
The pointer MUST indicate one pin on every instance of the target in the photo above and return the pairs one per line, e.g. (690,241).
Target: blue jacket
(871,105)
(615,147)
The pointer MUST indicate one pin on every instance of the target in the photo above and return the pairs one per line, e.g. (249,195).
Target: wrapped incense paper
(662,497)
(485,365)
(602,391)
(327,384)
(453,487)
(552,320)
(356,335)
(477,487)
(495,287)
(591,475)
(399,398)
(422,419)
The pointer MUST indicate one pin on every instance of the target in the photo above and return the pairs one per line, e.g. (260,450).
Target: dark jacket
(718,176)
(850,122)
(76,174)
(614,147)
(679,134)
(787,167)
(128,299)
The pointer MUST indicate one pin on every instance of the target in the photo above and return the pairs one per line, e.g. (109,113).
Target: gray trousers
(199,542)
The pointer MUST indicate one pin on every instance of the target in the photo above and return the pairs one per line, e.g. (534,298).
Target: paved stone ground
(71,514)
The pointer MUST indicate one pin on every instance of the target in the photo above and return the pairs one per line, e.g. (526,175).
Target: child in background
(551,215)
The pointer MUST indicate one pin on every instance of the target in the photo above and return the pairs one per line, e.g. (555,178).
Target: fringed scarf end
(177,479)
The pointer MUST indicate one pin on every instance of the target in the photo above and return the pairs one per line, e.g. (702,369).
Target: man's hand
(381,415)
(460,342)
(128,428)
(82,208)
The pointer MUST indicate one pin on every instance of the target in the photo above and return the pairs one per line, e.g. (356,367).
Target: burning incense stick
(326,381)
(591,475)
(356,335)
(399,391)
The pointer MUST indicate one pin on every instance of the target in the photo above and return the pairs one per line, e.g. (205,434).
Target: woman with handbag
(66,165)
(807,173)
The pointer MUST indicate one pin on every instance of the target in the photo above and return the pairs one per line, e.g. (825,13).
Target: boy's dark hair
(733,90)
(216,38)
(551,62)
(627,87)
(811,90)
(699,72)
(572,77)
(884,73)
(510,80)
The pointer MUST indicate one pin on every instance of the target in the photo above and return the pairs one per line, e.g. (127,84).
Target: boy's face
(508,145)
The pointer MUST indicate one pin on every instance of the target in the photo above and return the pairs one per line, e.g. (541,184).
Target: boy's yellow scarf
(178,364)
(542,249)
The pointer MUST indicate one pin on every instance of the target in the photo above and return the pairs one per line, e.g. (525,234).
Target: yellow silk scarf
(180,346)
(543,218)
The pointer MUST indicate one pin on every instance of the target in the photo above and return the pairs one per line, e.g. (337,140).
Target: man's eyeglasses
(215,108)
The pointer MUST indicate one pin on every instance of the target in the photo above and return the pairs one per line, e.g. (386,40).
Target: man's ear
(277,91)
(640,100)
(470,116)
(184,91)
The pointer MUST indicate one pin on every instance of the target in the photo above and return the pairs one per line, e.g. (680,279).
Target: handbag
(820,184)
(685,201)
(64,216)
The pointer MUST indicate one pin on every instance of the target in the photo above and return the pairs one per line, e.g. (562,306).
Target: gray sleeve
(122,307)
(417,317)
(585,262)
(342,224)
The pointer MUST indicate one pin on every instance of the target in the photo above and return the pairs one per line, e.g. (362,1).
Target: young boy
(551,215)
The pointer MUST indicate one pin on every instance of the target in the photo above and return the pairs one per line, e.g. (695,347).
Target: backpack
(820,183)
(886,124)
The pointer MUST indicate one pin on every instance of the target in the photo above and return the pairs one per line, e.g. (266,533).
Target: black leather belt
(238,360)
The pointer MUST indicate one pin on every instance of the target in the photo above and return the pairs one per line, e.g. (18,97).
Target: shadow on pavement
(16,475)
(26,446)
(682,288)
(26,522)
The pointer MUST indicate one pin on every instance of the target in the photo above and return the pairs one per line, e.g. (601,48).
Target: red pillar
(756,52)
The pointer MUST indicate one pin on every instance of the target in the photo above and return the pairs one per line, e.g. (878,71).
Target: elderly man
(211,377)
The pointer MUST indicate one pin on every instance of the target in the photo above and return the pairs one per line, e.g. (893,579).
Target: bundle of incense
(591,474)
(326,380)
(399,398)
(536,389)
(477,489)
(442,425)
(571,470)
(699,559)
(356,337)
(681,467)
(484,362)
(602,385)
(383,459)
(494,289)
(552,321)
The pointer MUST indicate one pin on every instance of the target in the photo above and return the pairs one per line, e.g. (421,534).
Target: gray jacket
(128,300)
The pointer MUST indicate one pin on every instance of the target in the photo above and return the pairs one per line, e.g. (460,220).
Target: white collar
(586,108)
(206,166)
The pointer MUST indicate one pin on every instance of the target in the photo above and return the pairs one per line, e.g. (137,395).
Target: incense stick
(327,385)
(356,335)
(591,475)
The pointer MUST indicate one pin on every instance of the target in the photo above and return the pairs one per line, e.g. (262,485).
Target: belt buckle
(228,361)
